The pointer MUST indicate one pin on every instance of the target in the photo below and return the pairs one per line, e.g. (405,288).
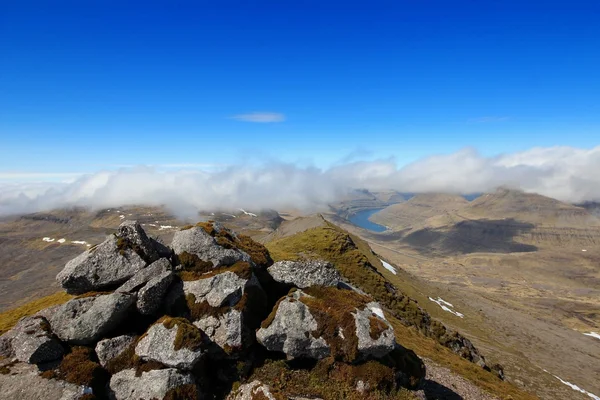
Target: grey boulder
(151,295)
(85,320)
(111,262)
(196,241)
(291,330)
(155,384)
(142,277)
(109,349)
(226,330)
(102,266)
(385,340)
(31,341)
(159,344)
(218,290)
(224,291)
(303,274)
(134,234)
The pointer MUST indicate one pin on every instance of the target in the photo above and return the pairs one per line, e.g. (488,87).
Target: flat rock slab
(224,289)
(26,384)
(303,274)
(196,241)
(150,385)
(142,277)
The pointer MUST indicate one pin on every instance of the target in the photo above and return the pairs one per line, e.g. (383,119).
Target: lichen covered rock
(137,281)
(108,349)
(111,262)
(87,319)
(155,384)
(291,330)
(174,342)
(150,296)
(198,242)
(251,391)
(323,321)
(31,341)
(303,274)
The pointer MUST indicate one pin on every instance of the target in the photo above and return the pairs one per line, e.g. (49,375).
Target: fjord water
(361,219)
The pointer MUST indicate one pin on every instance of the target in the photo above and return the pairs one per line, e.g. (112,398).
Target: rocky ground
(210,316)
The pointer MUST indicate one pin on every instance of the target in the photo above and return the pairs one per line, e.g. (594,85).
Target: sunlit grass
(9,318)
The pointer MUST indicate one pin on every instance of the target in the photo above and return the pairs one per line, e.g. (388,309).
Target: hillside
(523,269)
(196,257)
(506,221)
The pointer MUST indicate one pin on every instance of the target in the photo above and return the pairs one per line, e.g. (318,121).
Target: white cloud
(565,173)
(261,117)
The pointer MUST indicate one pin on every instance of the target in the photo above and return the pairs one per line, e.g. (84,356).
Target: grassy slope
(9,318)
(354,258)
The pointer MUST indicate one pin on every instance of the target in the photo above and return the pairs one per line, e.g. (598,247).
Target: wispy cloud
(565,173)
(487,119)
(261,117)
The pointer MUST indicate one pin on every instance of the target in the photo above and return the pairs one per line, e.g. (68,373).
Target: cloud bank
(566,173)
(261,117)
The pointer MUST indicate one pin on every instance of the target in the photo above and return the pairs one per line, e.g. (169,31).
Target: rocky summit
(210,317)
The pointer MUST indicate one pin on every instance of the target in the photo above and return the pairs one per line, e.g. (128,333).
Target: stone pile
(186,322)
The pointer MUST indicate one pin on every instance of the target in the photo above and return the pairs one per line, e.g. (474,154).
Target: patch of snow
(212,213)
(442,303)
(445,302)
(47,239)
(162,227)
(129,214)
(78,242)
(61,240)
(583,250)
(577,388)
(107,210)
(377,311)
(88,245)
(122,216)
(152,224)
(248,213)
(388,266)
(593,334)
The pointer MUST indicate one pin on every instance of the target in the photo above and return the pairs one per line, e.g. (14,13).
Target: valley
(523,270)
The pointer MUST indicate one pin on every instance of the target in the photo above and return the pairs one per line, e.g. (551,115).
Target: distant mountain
(502,221)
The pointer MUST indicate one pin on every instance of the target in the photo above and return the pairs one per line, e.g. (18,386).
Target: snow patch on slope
(577,388)
(388,266)
(593,334)
(446,306)
(248,213)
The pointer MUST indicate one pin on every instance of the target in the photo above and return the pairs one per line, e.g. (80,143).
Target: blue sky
(100,84)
